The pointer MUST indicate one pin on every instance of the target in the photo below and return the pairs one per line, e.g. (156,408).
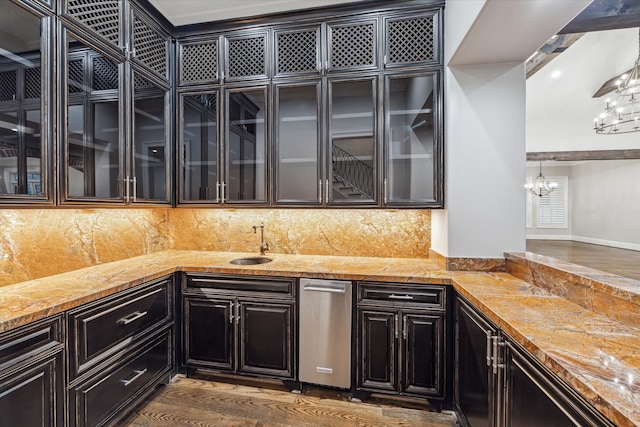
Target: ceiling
(185,12)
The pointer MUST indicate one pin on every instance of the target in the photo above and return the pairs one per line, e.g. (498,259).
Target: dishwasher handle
(319,288)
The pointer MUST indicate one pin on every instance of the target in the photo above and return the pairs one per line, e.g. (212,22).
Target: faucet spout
(264,246)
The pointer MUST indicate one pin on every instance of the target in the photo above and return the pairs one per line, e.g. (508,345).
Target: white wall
(487,44)
(606,203)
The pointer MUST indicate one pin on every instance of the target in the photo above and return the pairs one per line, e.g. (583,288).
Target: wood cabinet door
(266,338)
(533,396)
(34,396)
(377,356)
(423,350)
(474,379)
(209,333)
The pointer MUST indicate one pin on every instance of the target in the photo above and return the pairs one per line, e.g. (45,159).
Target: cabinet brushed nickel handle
(489,357)
(126,189)
(135,190)
(132,317)
(496,365)
(386,198)
(397,326)
(217,192)
(326,191)
(319,191)
(231,312)
(237,313)
(401,297)
(404,327)
(137,375)
(222,199)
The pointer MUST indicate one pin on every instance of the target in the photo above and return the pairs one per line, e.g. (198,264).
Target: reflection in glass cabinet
(298,143)
(21,155)
(411,139)
(93,124)
(246,152)
(200,147)
(150,140)
(352,130)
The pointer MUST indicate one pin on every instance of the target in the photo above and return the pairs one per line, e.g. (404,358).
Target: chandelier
(541,186)
(622,115)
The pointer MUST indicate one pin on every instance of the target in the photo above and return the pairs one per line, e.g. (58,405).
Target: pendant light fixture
(541,186)
(622,115)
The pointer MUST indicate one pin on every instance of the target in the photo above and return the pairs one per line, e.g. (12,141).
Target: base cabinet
(239,325)
(106,397)
(401,339)
(498,383)
(120,348)
(32,375)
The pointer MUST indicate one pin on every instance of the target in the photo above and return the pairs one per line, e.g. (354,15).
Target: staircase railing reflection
(353,172)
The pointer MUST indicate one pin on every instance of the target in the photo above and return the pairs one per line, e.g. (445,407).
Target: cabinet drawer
(427,296)
(103,327)
(19,344)
(240,284)
(105,396)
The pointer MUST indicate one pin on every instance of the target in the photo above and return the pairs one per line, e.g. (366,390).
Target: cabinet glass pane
(93,146)
(20,94)
(150,140)
(297,143)
(200,147)
(247,146)
(352,147)
(411,139)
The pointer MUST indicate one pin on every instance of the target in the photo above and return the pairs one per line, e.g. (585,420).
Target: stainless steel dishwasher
(325,332)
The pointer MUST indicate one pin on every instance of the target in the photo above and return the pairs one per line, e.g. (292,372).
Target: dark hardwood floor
(203,403)
(622,262)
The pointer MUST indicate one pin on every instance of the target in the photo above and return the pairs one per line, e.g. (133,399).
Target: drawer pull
(132,317)
(402,297)
(137,375)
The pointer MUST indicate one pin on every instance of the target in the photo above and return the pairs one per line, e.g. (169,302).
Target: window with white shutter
(552,209)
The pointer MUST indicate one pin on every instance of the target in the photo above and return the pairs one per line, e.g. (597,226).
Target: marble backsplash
(36,243)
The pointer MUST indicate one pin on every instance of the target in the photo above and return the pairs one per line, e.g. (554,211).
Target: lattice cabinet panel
(101,16)
(297,51)
(8,85)
(32,83)
(246,56)
(412,39)
(199,62)
(76,75)
(352,45)
(105,74)
(150,46)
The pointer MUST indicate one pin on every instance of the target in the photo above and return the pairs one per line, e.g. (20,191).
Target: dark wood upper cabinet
(26,107)
(212,114)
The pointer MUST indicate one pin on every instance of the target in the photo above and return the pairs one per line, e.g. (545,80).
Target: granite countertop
(597,355)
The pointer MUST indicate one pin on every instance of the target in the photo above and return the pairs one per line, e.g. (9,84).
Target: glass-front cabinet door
(199,180)
(352,142)
(246,146)
(93,148)
(150,172)
(298,143)
(412,146)
(25,106)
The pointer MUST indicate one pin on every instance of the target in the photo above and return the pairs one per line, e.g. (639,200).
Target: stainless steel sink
(254,260)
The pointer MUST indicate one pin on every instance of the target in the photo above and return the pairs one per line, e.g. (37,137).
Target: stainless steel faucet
(264,246)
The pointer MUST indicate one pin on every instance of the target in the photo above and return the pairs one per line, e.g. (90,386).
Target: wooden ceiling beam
(583,155)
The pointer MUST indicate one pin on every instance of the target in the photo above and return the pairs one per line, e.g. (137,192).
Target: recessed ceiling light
(556,74)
